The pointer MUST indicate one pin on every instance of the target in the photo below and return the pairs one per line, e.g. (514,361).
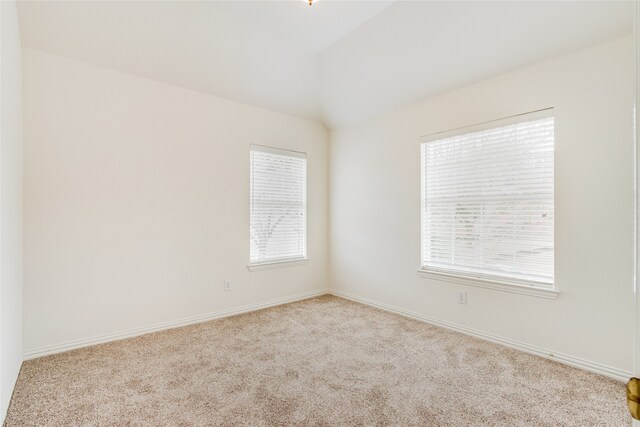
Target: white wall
(10,204)
(136,202)
(375,207)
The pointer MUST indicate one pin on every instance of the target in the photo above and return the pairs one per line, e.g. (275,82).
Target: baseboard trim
(73,345)
(13,380)
(597,368)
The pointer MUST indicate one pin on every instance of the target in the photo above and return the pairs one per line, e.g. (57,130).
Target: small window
(278,205)
(487,200)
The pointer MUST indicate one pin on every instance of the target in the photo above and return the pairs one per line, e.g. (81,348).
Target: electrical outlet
(462,297)
(227,286)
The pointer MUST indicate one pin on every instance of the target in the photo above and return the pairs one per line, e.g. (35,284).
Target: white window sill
(277,264)
(496,284)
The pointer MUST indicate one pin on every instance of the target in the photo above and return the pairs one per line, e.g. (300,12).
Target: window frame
(284,261)
(489,281)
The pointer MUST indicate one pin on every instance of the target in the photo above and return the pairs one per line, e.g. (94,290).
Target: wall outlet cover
(462,297)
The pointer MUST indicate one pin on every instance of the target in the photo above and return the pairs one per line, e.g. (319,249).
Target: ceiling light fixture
(310,2)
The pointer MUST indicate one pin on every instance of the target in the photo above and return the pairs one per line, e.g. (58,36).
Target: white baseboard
(72,345)
(6,398)
(597,368)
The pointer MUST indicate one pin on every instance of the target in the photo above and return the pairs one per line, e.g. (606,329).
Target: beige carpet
(324,361)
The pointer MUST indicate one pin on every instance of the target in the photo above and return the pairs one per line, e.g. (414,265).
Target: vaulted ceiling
(339,62)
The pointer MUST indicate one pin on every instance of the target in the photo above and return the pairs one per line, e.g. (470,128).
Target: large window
(278,205)
(487,200)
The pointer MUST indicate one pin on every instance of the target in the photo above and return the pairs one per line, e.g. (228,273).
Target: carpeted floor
(324,361)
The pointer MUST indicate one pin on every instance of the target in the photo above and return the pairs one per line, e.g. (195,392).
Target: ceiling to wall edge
(323,118)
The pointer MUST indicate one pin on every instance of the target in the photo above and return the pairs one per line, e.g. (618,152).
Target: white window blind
(487,200)
(278,205)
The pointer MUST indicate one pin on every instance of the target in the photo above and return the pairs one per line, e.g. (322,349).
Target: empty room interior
(319,212)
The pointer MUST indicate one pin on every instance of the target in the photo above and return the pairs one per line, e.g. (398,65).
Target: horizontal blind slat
(277,205)
(487,199)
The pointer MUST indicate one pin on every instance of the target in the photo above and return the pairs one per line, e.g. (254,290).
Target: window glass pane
(487,201)
(278,186)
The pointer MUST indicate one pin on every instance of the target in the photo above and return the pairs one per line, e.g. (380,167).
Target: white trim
(498,285)
(636,194)
(72,345)
(504,121)
(277,264)
(13,379)
(597,368)
(278,151)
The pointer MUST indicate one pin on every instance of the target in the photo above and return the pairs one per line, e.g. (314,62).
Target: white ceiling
(414,50)
(338,61)
(309,28)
